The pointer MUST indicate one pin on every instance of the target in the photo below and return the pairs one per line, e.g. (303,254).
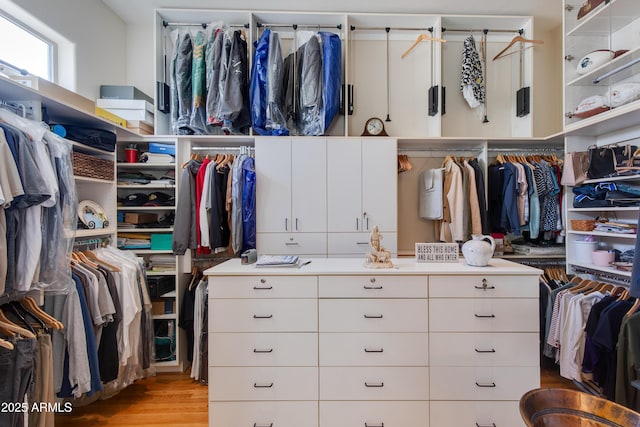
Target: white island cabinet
(334,344)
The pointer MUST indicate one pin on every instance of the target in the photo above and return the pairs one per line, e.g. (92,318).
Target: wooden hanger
(633,308)
(9,325)
(30,304)
(421,38)
(95,257)
(6,344)
(83,259)
(513,41)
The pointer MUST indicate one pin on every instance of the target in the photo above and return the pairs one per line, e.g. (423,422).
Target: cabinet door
(344,185)
(273,184)
(379,184)
(309,185)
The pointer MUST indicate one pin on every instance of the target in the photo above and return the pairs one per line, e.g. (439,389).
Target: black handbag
(601,162)
(604,161)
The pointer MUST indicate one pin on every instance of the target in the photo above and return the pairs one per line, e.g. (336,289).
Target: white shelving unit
(613,25)
(156,170)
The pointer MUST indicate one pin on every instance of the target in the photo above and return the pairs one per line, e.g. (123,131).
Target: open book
(277,261)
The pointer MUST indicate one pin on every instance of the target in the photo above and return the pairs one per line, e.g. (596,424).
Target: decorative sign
(437,252)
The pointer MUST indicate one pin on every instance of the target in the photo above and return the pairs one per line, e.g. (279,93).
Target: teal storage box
(161,242)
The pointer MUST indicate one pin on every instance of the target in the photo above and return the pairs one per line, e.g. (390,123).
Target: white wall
(93,40)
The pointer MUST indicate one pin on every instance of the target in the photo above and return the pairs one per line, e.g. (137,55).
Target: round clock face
(374,126)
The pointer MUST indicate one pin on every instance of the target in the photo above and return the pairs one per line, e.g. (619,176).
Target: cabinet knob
(372,280)
(568,7)
(263,280)
(569,58)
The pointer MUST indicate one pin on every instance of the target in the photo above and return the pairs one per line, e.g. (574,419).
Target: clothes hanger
(513,41)
(30,304)
(9,325)
(95,257)
(633,308)
(83,259)
(421,38)
(6,344)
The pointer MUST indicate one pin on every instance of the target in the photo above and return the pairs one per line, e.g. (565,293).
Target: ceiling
(547,13)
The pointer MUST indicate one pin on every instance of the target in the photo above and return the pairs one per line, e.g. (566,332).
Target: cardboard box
(140,217)
(157,307)
(161,242)
(123,92)
(140,124)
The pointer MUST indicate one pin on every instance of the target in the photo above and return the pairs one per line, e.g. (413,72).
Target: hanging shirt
(275,118)
(472,82)
(258,84)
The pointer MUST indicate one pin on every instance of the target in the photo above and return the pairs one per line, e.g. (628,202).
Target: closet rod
(296,26)
(244,147)
(203,24)
(527,150)
(615,71)
(603,275)
(463,30)
(353,28)
(15,68)
(15,108)
(447,149)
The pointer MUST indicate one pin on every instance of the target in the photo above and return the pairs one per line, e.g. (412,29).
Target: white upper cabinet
(362,185)
(292,190)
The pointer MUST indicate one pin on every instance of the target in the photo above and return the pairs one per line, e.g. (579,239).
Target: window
(26,49)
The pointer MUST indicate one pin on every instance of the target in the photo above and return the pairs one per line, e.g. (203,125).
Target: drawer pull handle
(255,350)
(486,425)
(256,385)
(372,287)
(269,425)
(374,385)
(292,244)
(373,316)
(373,350)
(373,425)
(486,351)
(486,385)
(484,286)
(263,288)
(485,316)
(262,316)
(362,243)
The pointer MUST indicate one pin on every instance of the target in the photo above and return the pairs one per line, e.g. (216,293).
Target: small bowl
(603,258)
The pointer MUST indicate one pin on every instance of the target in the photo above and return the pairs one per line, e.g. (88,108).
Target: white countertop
(402,266)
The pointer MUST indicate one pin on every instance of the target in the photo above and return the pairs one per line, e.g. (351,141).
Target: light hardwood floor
(176,400)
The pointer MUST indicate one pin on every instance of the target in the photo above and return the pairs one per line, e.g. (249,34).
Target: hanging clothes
(183,84)
(472,83)
(310,66)
(258,84)
(430,199)
(184,227)
(331,76)
(276,121)
(198,120)
(234,98)
(213,58)
(634,289)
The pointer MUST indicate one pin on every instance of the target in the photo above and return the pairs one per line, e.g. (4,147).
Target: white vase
(479,250)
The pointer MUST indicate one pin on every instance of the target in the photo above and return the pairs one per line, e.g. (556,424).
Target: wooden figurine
(378,257)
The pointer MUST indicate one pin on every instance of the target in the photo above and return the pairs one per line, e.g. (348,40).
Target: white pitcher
(479,250)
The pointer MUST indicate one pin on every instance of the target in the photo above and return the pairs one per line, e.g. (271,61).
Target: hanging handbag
(608,161)
(574,171)
(601,162)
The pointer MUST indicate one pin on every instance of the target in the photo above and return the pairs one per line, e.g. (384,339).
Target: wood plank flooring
(176,400)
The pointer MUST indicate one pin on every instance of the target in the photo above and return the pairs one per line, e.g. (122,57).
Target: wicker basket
(583,224)
(92,167)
